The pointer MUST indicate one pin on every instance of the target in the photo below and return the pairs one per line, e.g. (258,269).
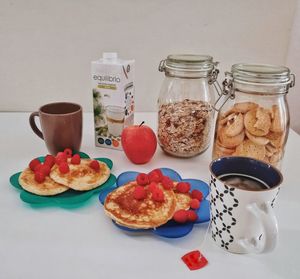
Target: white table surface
(52,242)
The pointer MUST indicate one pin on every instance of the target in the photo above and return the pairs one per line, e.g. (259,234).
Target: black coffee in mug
(244,182)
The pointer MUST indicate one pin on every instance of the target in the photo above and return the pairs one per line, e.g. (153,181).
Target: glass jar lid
(190,63)
(261,74)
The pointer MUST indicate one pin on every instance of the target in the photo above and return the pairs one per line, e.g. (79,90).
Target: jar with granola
(185,112)
(254,122)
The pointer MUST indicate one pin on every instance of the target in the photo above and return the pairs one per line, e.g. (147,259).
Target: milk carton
(113,96)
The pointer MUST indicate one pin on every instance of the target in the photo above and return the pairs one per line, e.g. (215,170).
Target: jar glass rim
(260,73)
(190,62)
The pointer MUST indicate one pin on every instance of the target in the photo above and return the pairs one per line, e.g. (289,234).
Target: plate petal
(173,229)
(199,185)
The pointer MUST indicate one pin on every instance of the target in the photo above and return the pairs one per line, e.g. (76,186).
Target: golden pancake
(81,177)
(183,201)
(47,188)
(122,207)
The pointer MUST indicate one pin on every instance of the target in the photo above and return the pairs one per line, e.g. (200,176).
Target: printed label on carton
(113,99)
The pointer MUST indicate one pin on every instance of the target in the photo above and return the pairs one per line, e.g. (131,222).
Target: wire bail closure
(227,91)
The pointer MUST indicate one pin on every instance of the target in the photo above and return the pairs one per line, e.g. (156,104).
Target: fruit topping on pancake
(62,172)
(151,201)
(86,175)
(39,184)
(155,209)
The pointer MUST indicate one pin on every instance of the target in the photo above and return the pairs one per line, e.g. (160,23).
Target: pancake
(47,188)
(123,208)
(81,177)
(183,201)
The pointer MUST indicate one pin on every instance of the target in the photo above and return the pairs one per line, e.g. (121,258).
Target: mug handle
(264,213)
(33,126)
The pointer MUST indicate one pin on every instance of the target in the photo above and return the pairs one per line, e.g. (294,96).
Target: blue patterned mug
(242,196)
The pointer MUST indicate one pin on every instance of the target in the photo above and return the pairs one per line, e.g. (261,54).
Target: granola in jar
(184,127)
(185,110)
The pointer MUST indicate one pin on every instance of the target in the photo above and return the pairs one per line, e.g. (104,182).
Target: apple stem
(141,123)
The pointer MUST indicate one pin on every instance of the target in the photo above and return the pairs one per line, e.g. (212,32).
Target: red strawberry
(195,204)
(64,167)
(68,152)
(158,195)
(142,179)
(34,163)
(49,160)
(167,183)
(183,187)
(75,159)
(196,194)
(39,177)
(155,175)
(152,186)
(192,216)
(45,169)
(60,157)
(139,193)
(180,216)
(95,165)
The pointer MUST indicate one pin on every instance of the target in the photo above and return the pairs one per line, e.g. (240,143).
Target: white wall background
(46,46)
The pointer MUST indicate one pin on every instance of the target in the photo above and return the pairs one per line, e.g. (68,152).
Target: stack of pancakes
(80,177)
(121,206)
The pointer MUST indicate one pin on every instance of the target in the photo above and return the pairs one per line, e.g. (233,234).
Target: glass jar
(254,122)
(185,113)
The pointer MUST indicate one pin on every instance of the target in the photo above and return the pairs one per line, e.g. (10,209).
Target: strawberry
(68,152)
(39,177)
(75,159)
(142,179)
(183,187)
(195,204)
(192,216)
(64,167)
(95,165)
(60,157)
(167,183)
(155,175)
(34,163)
(180,216)
(152,186)
(196,194)
(49,160)
(139,193)
(158,195)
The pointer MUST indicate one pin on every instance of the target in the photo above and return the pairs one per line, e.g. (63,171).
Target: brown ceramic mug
(61,125)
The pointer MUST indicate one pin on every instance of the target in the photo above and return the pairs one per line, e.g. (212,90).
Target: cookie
(276,125)
(250,149)
(234,125)
(257,140)
(244,107)
(230,142)
(257,122)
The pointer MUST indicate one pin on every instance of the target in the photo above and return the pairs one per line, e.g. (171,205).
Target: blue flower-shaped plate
(171,229)
(70,198)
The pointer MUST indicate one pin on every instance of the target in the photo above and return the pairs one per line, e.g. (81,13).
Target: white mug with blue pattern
(243,220)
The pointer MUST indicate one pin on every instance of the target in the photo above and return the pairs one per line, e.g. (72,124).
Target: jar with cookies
(185,113)
(254,119)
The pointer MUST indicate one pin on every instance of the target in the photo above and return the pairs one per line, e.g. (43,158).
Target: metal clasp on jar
(227,91)
(162,65)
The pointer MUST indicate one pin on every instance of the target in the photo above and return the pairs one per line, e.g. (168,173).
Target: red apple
(139,143)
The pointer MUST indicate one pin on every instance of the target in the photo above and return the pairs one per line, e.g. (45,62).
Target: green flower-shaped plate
(69,198)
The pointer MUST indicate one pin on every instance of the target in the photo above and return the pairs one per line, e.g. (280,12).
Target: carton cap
(110,55)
